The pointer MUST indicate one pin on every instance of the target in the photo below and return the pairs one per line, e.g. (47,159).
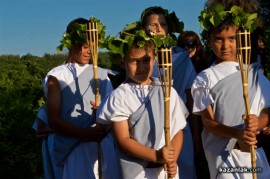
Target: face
(139,65)
(157,24)
(223,44)
(81,54)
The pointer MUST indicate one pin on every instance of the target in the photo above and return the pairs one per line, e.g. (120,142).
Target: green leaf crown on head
(77,35)
(213,17)
(134,34)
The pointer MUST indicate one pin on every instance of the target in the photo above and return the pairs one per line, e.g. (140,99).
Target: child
(44,132)
(135,110)
(158,21)
(69,89)
(218,98)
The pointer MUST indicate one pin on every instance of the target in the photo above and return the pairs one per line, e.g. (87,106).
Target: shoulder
(120,91)
(58,69)
(178,51)
(203,79)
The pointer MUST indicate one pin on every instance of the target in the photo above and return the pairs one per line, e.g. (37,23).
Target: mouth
(225,53)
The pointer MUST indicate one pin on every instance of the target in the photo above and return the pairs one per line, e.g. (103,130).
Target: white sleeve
(201,93)
(113,109)
(179,113)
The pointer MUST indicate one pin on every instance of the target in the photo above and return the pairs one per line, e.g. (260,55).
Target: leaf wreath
(77,35)
(214,16)
(118,46)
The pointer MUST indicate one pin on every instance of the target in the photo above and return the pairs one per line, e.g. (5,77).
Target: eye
(152,26)
(85,46)
(133,61)
(232,38)
(146,60)
(217,39)
(163,25)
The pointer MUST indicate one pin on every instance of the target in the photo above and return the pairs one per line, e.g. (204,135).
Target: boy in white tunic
(218,98)
(135,110)
(69,90)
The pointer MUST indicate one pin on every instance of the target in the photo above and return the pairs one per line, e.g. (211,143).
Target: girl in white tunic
(69,90)
(218,98)
(136,113)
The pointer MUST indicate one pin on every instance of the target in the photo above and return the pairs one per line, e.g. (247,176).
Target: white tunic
(82,161)
(126,100)
(205,81)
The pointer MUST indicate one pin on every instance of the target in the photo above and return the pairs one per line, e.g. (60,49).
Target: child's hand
(248,137)
(251,122)
(171,169)
(266,130)
(95,134)
(165,155)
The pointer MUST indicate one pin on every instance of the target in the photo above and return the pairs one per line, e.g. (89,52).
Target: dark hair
(155,10)
(248,6)
(79,20)
(190,39)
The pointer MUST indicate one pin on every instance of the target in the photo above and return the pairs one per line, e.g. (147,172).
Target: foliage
(213,17)
(20,98)
(132,35)
(78,35)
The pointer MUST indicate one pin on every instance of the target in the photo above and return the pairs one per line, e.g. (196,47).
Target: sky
(36,26)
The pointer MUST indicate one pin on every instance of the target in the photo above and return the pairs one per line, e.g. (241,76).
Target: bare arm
(42,130)
(135,149)
(264,118)
(195,126)
(61,126)
(248,137)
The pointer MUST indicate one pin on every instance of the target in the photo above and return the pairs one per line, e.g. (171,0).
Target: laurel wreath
(214,16)
(118,46)
(77,36)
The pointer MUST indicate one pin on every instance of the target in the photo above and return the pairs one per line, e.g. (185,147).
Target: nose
(225,44)
(158,28)
(88,50)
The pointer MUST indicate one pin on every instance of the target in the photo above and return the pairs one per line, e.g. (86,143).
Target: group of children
(130,118)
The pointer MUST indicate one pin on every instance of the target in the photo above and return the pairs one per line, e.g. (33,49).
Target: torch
(165,75)
(92,37)
(243,45)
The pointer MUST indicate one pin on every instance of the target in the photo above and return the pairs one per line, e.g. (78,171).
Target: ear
(209,44)
(122,64)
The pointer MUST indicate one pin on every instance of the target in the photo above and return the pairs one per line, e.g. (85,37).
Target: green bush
(20,98)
